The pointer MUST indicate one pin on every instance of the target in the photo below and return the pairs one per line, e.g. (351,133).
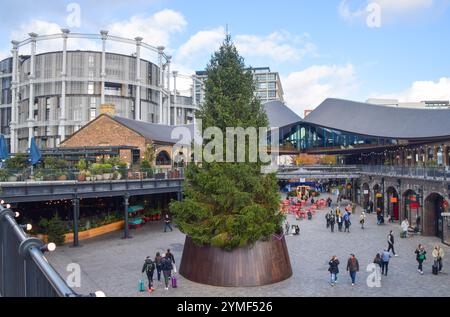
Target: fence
(24,270)
(435,173)
(100,174)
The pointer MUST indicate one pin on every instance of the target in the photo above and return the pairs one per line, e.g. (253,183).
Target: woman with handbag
(421,256)
(334,270)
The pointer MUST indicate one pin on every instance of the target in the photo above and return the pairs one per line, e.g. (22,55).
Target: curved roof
(280,115)
(381,121)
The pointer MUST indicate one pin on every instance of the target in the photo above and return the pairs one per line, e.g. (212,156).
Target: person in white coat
(405,227)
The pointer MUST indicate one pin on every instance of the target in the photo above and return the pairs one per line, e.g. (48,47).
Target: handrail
(24,252)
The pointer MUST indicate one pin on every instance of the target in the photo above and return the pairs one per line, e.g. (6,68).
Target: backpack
(150,266)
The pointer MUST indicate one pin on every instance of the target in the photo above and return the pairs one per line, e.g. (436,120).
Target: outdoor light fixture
(27,227)
(8,206)
(16,214)
(50,247)
(2,202)
(98,294)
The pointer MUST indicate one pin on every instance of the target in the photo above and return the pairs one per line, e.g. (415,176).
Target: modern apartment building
(268,85)
(53,94)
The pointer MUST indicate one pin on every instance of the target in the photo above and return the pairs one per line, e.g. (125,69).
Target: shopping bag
(174,282)
(141,286)
(174,269)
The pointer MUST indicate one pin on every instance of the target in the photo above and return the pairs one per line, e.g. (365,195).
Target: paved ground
(113,265)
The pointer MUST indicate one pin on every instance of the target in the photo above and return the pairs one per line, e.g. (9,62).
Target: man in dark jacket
(149,269)
(332,222)
(390,240)
(334,270)
(353,267)
(166,266)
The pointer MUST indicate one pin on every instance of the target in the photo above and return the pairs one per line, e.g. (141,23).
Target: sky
(352,49)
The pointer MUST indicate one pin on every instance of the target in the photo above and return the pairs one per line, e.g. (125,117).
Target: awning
(133,209)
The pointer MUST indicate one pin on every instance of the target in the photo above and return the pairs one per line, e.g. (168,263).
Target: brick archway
(393,203)
(433,221)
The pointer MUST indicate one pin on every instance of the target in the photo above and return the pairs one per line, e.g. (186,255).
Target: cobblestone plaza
(114,265)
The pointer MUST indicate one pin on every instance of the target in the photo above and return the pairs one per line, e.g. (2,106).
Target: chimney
(108,109)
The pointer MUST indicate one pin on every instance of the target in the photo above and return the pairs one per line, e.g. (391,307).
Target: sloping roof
(155,132)
(381,121)
(280,115)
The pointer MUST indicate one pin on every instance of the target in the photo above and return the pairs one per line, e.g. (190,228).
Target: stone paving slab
(114,265)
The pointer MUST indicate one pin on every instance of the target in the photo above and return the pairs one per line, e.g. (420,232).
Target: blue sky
(322,48)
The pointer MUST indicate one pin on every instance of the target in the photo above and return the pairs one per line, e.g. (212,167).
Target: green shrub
(54,228)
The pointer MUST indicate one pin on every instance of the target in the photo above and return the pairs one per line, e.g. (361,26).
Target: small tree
(150,153)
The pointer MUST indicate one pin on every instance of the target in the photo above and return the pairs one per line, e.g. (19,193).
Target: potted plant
(39,176)
(81,177)
(88,176)
(61,176)
(107,171)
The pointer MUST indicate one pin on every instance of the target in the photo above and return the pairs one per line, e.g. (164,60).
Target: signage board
(379,195)
(366,192)
(394,200)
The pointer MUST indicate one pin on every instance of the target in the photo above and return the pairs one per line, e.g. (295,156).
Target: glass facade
(306,136)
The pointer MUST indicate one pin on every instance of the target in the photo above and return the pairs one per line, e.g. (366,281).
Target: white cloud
(403,6)
(279,46)
(305,90)
(421,90)
(203,44)
(155,29)
(390,9)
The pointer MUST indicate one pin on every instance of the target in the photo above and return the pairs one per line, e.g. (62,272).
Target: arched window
(163,158)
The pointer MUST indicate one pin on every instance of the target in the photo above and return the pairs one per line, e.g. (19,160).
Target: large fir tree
(229,205)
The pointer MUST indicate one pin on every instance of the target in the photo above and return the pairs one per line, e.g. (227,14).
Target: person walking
(421,256)
(170,256)
(405,227)
(332,222)
(149,269)
(385,257)
(327,218)
(334,270)
(438,254)
(379,216)
(339,219)
(158,259)
(362,219)
(347,222)
(390,240)
(329,201)
(166,266)
(167,222)
(353,267)
(378,260)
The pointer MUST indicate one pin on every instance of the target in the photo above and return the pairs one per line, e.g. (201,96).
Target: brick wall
(104,131)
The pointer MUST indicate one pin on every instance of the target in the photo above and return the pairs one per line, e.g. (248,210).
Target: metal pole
(126,229)
(76,215)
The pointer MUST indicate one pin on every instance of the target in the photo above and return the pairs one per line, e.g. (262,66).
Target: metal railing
(24,270)
(431,173)
(67,174)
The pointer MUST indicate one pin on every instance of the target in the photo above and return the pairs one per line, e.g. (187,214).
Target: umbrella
(35,154)
(3,148)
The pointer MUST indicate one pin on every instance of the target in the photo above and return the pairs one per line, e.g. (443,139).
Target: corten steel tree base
(264,263)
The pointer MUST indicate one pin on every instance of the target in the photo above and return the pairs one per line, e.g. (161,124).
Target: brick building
(110,130)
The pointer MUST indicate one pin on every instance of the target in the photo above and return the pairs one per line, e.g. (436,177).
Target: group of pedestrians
(164,264)
(342,219)
(352,268)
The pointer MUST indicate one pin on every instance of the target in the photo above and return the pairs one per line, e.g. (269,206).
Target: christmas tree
(229,204)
